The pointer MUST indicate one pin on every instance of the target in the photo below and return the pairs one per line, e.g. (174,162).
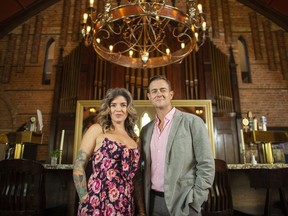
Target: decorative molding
(255,36)
(23,48)
(270,51)
(36,39)
(258,166)
(226,21)
(7,70)
(76,27)
(280,37)
(10,103)
(65,23)
(24,13)
(268,11)
(214,18)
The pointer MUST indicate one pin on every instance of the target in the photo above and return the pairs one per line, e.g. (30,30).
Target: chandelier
(144,33)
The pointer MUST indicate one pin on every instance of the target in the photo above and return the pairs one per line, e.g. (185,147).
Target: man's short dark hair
(159,77)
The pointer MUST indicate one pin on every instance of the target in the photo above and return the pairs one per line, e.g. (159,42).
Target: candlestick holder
(60,157)
(243,154)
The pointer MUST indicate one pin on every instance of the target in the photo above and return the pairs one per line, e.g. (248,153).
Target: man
(178,160)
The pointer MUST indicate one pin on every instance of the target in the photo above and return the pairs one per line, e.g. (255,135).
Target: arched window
(48,62)
(145,119)
(244,60)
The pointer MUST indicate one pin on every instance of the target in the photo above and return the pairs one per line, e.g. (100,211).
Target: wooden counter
(58,166)
(257,166)
(60,189)
(244,178)
(269,177)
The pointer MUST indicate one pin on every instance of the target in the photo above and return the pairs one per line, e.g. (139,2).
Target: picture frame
(86,114)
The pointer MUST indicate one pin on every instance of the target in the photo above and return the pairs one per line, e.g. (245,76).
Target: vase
(54,160)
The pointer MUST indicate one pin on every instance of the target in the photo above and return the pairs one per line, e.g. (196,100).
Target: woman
(112,146)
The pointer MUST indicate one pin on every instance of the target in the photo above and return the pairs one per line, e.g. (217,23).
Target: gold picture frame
(86,109)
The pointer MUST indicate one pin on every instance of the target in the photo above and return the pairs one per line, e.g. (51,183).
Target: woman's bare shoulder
(94,130)
(95,127)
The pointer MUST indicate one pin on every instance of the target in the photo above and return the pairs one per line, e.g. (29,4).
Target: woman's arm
(83,155)
(79,175)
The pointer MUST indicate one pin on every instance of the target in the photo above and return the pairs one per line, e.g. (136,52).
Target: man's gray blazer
(189,164)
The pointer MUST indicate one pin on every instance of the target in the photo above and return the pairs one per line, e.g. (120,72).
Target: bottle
(253,160)
(250,119)
(264,123)
(255,124)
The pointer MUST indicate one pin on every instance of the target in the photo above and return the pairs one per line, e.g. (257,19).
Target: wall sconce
(199,111)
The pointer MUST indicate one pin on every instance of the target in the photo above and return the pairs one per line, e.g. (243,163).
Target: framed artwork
(86,112)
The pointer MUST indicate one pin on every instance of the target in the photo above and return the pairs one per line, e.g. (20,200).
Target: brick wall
(22,93)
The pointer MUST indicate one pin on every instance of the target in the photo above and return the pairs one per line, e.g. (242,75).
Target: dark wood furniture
(220,199)
(22,188)
(267,179)
(271,179)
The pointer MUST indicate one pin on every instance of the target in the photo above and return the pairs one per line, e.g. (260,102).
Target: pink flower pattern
(110,186)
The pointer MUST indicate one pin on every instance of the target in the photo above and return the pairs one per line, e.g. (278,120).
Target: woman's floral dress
(110,187)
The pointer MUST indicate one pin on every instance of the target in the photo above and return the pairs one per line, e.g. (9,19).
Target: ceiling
(15,12)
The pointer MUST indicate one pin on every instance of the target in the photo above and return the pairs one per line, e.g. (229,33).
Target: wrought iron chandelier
(144,33)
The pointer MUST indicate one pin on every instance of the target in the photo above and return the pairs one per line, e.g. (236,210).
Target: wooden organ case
(207,74)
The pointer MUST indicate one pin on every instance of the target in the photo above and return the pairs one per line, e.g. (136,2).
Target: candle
(85,17)
(204,26)
(91,3)
(242,143)
(62,140)
(200,8)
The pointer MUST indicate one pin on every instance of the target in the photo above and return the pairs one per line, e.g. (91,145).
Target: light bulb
(196,36)
(182,45)
(168,51)
(98,40)
(193,28)
(204,26)
(92,110)
(200,8)
(85,17)
(145,57)
(111,48)
(130,53)
(91,3)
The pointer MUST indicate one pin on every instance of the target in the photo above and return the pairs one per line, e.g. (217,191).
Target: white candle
(200,8)
(85,17)
(204,26)
(242,143)
(91,3)
(62,140)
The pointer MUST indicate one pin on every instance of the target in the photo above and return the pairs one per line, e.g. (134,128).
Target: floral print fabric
(110,186)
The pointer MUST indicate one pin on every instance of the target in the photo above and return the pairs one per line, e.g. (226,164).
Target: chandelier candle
(144,34)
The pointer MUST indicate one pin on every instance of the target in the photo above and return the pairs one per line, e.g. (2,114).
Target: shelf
(266,146)
(265,136)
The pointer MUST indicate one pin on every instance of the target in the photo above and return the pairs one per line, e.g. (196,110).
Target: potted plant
(54,154)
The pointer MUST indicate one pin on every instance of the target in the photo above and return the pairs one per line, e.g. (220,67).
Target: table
(270,177)
(60,189)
